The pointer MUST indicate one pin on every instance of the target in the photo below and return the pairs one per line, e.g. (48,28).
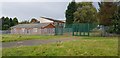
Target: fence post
(88,29)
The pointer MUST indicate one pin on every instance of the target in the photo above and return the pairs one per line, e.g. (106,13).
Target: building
(41,28)
(45,27)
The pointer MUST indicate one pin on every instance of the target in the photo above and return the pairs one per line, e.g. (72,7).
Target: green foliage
(2,22)
(5,23)
(11,22)
(117,21)
(70,12)
(15,21)
(106,11)
(86,13)
(85,46)
(8,22)
(83,12)
(115,27)
(109,15)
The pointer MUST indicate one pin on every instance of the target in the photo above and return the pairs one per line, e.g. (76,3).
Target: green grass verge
(11,37)
(85,46)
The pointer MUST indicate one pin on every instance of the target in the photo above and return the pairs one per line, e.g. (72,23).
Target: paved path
(33,42)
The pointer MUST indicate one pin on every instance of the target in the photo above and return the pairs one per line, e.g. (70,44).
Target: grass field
(85,46)
(11,38)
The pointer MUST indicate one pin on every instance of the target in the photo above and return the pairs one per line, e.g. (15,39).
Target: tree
(106,11)
(33,20)
(109,16)
(6,24)
(86,13)
(118,19)
(1,22)
(70,12)
(15,21)
(11,22)
(115,27)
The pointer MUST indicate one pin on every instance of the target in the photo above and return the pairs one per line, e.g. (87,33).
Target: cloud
(28,10)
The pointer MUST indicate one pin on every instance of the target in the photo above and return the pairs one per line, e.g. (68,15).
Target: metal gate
(81,29)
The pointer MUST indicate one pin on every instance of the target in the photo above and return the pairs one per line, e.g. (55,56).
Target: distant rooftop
(53,20)
(31,25)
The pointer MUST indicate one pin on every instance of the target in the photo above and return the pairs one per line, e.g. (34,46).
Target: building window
(35,29)
(23,29)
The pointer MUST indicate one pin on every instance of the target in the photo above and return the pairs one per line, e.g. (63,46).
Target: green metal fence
(81,29)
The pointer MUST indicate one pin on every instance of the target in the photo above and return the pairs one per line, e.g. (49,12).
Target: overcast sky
(28,10)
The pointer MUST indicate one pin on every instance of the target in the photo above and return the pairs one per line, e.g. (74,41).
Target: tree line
(8,22)
(108,14)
